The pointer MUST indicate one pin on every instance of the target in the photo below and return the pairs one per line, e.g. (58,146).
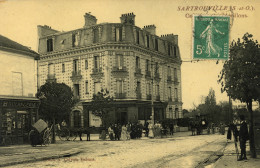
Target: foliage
(240,76)
(56,101)
(101,105)
(183,122)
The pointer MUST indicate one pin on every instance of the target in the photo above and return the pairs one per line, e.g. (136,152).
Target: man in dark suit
(243,137)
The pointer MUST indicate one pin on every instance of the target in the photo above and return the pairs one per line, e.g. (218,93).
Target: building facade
(139,69)
(18,81)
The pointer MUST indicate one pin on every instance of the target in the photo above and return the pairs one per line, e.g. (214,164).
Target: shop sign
(18,104)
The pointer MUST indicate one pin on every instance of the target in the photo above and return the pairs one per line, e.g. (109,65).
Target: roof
(12,46)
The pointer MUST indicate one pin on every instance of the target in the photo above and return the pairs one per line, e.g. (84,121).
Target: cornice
(106,47)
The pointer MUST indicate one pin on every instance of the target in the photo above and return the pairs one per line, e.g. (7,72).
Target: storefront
(17,115)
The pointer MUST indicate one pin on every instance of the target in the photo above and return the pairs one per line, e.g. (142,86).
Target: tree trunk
(251,130)
(53,131)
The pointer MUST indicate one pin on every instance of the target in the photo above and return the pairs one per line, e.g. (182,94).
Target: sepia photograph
(129,83)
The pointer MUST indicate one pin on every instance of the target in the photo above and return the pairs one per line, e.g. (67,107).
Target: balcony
(119,69)
(76,76)
(176,100)
(138,95)
(157,98)
(148,97)
(51,78)
(120,95)
(148,74)
(176,81)
(97,73)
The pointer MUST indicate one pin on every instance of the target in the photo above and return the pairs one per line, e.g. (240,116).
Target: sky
(19,20)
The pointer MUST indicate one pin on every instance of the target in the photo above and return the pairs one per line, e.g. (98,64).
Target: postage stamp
(211,37)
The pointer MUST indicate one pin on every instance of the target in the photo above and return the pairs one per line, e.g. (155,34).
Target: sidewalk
(229,159)
(18,154)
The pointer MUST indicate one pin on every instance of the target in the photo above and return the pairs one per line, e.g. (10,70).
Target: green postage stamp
(211,37)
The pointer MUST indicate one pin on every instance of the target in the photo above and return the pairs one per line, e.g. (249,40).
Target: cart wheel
(73,136)
(64,134)
(47,137)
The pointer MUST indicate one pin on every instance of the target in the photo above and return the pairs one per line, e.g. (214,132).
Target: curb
(67,153)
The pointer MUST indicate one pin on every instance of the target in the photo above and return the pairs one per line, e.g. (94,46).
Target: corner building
(136,66)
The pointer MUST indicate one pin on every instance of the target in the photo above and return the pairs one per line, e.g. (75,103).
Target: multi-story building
(136,66)
(18,81)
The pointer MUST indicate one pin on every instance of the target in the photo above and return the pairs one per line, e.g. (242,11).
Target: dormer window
(49,45)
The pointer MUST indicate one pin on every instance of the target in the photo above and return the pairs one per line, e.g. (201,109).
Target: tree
(56,102)
(102,105)
(240,76)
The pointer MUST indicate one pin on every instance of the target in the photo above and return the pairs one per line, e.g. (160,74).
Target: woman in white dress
(124,133)
(150,127)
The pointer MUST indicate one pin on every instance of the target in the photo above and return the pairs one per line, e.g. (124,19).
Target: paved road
(178,151)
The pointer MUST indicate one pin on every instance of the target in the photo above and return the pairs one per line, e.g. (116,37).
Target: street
(181,150)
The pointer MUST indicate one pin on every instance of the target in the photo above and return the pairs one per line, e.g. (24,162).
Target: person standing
(150,135)
(124,133)
(111,132)
(243,137)
(171,128)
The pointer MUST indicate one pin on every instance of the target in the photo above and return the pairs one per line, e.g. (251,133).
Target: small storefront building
(17,115)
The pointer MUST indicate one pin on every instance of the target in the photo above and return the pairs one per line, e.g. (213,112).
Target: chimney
(90,20)
(45,31)
(151,29)
(128,18)
(171,38)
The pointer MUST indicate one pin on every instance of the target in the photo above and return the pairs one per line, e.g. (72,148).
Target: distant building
(135,65)
(237,104)
(18,81)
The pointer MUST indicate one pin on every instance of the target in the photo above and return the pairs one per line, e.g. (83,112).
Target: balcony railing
(97,70)
(148,97)
(76,74)
(147,73)
(119,69)
(120,95)
(157,98)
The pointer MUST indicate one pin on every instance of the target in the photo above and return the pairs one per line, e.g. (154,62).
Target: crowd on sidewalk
(136,131)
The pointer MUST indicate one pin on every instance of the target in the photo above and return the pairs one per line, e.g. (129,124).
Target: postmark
(211,37)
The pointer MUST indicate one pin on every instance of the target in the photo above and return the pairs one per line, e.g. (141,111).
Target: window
(169,71)
(118,34)
(97,87)
(76,90)
(169,92)
(156,68)
(156,44)
(148,88)
(137,62)
(49,45)
(157,90)
(86,86)
(175,74)
(75,65)
(63,68)
(96,62)
(119,86)
(86,64)
(51,69)
(176,113)
(138,87)
(175,51)
(169,49)
(119,61)
(137,37)
(170,113)
(147,41)
(176,94)
(96,36)
(73,40)
(147,66)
